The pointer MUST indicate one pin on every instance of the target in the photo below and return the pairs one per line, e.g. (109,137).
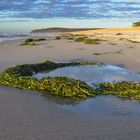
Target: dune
(131,34)
(108,30)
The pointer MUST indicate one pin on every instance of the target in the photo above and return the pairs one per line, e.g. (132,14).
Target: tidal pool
(99,105)
(93,73)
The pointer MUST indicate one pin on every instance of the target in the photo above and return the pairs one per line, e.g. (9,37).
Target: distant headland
(58,30)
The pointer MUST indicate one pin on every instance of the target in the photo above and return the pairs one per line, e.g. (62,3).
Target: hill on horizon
(60,29)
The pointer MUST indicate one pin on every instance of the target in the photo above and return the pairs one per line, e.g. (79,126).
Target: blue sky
(25,15)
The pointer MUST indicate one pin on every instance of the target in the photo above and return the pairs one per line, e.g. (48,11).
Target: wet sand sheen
(27,115)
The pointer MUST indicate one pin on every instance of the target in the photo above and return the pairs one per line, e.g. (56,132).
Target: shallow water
(100,105)
(103,106)
(93,73)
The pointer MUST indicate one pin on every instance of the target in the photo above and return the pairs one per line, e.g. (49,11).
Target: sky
(26,15)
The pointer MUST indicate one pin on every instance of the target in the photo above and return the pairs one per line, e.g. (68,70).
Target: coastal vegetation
(135,24)
(80,39)
(93,41)
(32,41)
(85,39)
(60,30)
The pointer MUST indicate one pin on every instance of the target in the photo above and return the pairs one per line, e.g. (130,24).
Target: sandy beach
(26,115)
(11,53)
(131,33)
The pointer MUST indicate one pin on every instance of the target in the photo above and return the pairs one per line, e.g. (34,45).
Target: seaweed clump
(67,87)
(32,41)
(93,41)
(21,77)
(58,37)
(87,40)
(121,89)
(80,39)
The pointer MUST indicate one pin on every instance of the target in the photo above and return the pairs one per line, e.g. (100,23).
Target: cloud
(87,9)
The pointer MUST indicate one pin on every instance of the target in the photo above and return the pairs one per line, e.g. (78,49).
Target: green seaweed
(80,39)
(67,87)
(21,77)
(32,41)
(90,63)
(85,39)
(93,41)
(58,37)
(121,89)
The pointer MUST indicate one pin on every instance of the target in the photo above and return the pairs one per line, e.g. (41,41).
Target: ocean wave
(11,36)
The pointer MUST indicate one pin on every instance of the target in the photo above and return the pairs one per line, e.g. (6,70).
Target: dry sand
(132,33)
(25,115)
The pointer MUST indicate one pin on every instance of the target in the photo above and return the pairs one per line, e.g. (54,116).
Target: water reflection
(104,105)
(63,101)
(93,73)
(99,105)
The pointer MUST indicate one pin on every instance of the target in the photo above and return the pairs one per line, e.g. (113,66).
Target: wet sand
(26,115)
(29,116)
